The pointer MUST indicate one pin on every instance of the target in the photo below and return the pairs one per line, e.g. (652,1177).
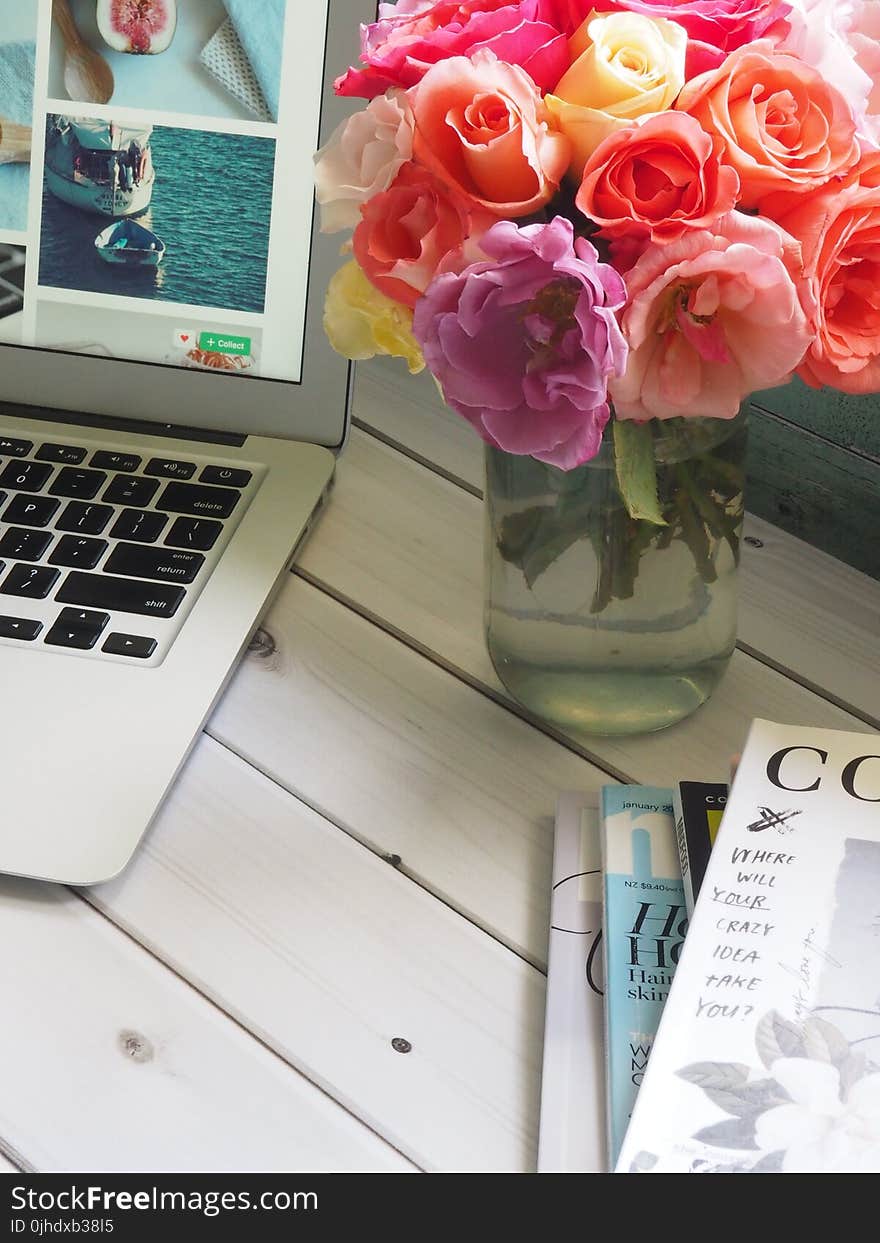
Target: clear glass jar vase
(602,622)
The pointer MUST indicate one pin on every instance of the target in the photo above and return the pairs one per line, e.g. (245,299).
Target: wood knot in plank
(135,1047)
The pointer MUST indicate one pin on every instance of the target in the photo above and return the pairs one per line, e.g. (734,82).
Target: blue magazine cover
(645,923)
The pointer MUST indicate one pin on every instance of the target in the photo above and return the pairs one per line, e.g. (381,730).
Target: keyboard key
(77,551)
(137,646)
(33,581)
(70,454)
(125,595)
(84,519)
(201,533)
(77,628)
(83,483)
(225,476)
(192,498)
(168,469)
(143,525)
(31,511)
(21,545)
(15,448)
(131,490)
(19,628)
(166,565)
(127,462)
(24,476)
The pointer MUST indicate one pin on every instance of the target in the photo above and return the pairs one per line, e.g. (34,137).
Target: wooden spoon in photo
(87,76)
(15,143)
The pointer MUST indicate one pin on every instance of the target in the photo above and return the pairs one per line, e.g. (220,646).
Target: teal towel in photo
(259,25)
(16,104)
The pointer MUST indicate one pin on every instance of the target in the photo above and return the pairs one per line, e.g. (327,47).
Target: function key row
(127,463)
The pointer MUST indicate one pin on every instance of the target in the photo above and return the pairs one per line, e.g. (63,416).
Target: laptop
(170,409)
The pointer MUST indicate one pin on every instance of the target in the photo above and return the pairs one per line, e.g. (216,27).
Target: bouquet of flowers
(584,215)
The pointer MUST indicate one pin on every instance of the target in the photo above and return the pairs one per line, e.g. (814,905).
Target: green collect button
(220,343)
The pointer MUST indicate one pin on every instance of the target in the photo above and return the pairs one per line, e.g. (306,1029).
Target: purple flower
(523,344)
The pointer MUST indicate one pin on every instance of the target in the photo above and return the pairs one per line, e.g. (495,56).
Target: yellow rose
(362,322)
(624,66)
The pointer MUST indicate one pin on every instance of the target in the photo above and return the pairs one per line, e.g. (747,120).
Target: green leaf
(637,470)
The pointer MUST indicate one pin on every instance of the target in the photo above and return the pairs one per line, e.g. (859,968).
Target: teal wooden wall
(814,469)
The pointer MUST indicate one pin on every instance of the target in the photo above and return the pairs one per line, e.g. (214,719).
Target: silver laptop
(169,406)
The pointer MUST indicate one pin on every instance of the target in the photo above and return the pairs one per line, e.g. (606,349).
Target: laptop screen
(155,158)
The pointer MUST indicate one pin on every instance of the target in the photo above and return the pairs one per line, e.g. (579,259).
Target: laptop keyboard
(103,553)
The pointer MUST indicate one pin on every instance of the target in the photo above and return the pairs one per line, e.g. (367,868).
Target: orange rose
(783,127)
(407,230)
(838,227)
(660,177)
(482,128)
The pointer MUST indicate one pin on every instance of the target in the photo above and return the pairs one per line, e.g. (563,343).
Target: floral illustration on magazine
(812,1107)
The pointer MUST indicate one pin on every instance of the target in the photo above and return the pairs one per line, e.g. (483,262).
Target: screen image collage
(145,180)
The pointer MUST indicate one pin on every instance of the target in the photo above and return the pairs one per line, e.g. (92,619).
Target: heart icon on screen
(184,338)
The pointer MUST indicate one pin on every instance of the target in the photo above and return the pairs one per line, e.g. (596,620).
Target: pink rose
(841,38)
(361,158)
(407,231)
(483,129)
(715,27)
(711,318)
(415,34)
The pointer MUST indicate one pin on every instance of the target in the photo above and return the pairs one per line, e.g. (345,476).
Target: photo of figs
(141,27)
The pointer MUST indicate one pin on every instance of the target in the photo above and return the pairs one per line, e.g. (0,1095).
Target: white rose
(841,38)
(361,158)
(624,66)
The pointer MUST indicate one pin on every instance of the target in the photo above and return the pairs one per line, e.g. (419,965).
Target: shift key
(202,502)
(125,595)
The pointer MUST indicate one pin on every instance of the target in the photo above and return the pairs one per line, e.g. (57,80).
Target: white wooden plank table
(329,952)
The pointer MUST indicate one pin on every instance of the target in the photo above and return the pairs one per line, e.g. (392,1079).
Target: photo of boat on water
(158,212)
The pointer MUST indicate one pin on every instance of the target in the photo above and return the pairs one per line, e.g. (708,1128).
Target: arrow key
(77,628)
(135,646)
(19,628)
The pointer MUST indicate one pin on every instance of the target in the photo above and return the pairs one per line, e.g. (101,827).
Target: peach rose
(711,318)
(409,229)
(838,227)
(782,126)
(362,158)
(482,129)
(624,66)
(660,177)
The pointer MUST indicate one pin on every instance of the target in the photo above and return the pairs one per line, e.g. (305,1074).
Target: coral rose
(838,227)
(412,35)
(661,177)
(709,319)
(409,229)
(362,322)
(782,126)
(524,342)
(361,158)
(482,128)
(624,66)
(715,27)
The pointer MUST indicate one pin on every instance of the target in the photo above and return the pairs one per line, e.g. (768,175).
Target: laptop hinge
(138,427)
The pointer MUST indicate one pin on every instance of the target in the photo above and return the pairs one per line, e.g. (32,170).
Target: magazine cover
(768,1056)
(645,922)
(699,806)
(572,1127)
